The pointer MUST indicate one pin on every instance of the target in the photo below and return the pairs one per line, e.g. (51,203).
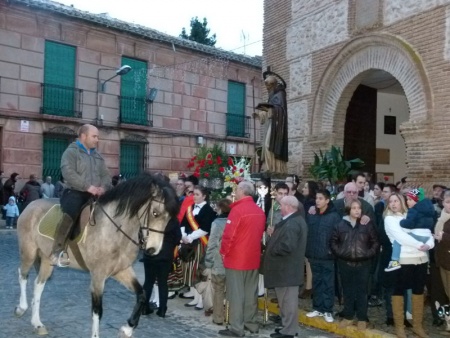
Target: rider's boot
(58,256)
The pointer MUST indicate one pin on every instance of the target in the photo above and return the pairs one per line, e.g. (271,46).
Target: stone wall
(191,99)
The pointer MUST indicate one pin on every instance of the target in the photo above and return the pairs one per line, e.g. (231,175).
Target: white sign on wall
(25,126)
(232,149)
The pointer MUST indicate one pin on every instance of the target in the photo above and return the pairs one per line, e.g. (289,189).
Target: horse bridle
(142,238)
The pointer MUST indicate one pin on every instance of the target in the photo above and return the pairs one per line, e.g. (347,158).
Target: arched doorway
(376,110)
(356,63)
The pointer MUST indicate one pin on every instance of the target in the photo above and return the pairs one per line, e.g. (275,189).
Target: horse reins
(119,227)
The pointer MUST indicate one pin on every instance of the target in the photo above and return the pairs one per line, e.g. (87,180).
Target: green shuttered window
(132,156)
(59,92)
(54,146)
(133,90)
(236,109)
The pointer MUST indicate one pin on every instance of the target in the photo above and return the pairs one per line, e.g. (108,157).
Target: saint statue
(275,145)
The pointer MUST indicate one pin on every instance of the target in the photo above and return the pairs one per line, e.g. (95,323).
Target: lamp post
(101,87)
(119,72)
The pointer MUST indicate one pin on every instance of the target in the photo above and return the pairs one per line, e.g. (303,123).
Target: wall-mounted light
(200,140)
(152,95)
(119,72)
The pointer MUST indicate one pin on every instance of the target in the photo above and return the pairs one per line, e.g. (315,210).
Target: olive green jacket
(81,170)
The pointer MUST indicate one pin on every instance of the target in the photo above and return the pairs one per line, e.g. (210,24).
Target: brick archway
(345,72)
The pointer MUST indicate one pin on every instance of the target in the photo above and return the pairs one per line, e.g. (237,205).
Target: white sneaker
(314,313)
(328,317)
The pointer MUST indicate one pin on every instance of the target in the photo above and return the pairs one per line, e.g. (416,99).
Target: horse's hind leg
(128,278)
(45,271)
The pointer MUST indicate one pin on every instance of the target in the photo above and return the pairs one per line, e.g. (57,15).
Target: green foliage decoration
(332,167)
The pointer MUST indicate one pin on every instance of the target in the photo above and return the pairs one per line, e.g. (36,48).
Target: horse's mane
(132,194)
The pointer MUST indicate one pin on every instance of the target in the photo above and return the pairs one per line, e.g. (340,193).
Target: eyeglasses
(351,192)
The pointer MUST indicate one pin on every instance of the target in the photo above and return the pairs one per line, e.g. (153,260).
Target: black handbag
(187,252)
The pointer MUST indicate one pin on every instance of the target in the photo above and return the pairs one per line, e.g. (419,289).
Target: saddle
(48,223)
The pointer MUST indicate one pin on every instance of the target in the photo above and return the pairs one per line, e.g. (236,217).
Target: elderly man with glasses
(351,194)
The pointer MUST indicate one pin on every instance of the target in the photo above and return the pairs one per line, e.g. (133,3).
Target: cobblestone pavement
(66,306)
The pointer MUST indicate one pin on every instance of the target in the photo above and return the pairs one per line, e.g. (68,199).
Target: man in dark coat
(284,257)
(31,191)
(9,186)
(318,251)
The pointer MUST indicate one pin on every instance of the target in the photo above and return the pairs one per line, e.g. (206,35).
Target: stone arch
(374,51)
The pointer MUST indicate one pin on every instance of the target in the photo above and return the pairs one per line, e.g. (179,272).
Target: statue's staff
(266,295)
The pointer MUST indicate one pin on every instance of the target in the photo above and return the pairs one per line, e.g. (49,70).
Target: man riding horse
(86,176)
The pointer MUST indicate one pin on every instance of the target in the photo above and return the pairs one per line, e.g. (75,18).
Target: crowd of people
(14,202)
(372,245)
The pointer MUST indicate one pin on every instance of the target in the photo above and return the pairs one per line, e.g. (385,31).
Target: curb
(319,323)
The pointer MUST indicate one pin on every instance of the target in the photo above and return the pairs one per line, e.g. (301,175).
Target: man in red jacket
(241,253)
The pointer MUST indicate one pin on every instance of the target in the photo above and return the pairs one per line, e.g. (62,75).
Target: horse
(129,217)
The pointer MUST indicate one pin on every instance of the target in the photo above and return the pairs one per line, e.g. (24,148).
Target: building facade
(369,76)
(155,98)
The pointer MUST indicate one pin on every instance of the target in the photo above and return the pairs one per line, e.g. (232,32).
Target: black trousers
(355,280)
(72,201)
(410,276)
(157,270)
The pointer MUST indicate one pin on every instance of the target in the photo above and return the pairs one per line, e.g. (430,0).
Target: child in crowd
(12,212)
(418,223)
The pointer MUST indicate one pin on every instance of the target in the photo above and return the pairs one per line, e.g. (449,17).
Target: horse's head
(161,208)
(149,199)
(153,224)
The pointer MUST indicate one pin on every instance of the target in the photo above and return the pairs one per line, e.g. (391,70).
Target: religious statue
(275,145)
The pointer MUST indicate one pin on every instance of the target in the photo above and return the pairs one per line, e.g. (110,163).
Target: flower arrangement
(236,172)
(212,164)
(208,162)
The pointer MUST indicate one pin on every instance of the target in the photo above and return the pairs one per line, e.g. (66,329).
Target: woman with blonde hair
(414,260)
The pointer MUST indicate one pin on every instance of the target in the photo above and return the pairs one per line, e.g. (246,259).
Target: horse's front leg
(128,278)
(97,287)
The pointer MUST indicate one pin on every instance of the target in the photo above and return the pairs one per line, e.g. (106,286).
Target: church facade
(327,49)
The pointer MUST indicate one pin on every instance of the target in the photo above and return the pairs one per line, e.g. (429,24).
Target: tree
(199,33)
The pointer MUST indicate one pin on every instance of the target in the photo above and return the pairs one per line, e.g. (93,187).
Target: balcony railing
(238,125)
(134,110)
(61,100)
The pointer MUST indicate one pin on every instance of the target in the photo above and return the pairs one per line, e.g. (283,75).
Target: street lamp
(101,88)
(119,72)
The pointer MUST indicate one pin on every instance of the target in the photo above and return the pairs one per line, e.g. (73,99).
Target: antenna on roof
(245,38)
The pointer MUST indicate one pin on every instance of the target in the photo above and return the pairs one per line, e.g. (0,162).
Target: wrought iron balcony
(238,125)
(61,100)
(134,110)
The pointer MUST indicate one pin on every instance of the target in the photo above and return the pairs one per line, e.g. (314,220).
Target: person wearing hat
(419,223)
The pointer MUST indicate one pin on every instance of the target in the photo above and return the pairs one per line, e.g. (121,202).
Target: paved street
(66,306)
